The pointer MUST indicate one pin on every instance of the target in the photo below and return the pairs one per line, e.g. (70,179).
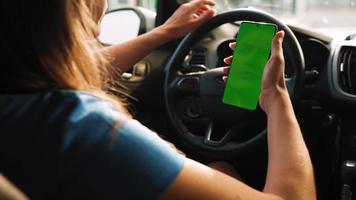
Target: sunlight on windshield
(312,13)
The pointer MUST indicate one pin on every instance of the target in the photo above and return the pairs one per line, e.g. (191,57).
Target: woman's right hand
(273,83)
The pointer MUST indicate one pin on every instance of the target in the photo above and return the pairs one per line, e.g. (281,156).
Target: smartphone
(253,47)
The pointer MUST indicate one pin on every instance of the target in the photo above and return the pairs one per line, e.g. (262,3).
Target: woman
(65,136)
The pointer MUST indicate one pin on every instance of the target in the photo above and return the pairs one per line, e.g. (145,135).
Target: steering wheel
(204,89)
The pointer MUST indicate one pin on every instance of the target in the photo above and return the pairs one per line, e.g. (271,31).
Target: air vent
(198,56)
(347,69)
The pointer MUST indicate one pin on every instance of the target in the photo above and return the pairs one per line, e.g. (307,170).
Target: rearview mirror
(120,25)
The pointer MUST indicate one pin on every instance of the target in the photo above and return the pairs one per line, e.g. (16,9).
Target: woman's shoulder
(70,114)
(87,119)
(56,99)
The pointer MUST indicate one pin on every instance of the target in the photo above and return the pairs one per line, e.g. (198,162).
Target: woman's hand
(285,141)
(273,83)
(188,17)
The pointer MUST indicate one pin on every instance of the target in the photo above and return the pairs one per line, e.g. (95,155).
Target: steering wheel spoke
(187,83)
(209,133)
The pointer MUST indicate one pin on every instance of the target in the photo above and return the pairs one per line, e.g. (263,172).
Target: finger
(232,45)
(197,3)
(196,16)
(228,60)
(224,78)
(277,44)
(204,8)
(205,16)
(209,2)
(201,12)
(226,70)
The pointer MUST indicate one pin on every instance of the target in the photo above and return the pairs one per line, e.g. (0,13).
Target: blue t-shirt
(64,145)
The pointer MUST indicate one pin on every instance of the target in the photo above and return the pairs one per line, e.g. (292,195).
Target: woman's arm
(9,191)
(290,173)
(187,17)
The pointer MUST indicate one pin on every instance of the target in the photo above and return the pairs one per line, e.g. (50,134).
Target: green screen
(253,46)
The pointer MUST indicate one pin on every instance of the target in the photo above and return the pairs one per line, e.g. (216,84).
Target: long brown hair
(49,44)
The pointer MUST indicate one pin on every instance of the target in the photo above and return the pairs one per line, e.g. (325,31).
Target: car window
(149,4)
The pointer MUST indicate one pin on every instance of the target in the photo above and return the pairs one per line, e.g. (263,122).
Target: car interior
(177,89)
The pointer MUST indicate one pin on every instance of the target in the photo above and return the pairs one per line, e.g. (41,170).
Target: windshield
(312,13)
(149,4)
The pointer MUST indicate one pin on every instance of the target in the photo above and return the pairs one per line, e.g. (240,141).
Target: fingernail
(230,44)
(215,11)
(224,78)
(282,34)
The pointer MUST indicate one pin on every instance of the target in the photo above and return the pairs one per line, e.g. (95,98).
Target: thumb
(277,44)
